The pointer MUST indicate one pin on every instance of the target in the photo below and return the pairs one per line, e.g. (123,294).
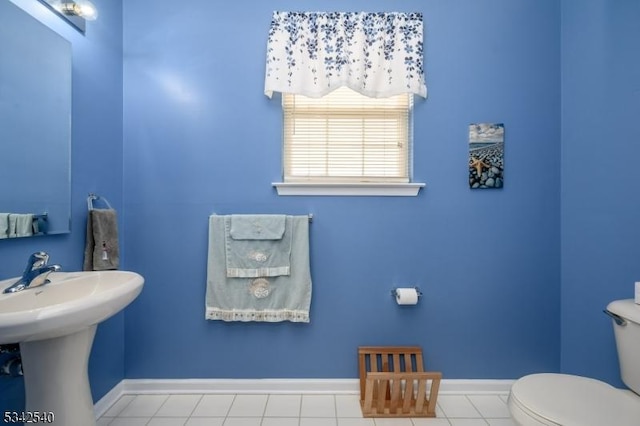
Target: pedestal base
(56,378)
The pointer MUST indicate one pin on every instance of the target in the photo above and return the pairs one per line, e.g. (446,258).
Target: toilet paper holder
(394,292)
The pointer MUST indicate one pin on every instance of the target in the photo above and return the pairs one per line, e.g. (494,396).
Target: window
(347,138)
(341,142)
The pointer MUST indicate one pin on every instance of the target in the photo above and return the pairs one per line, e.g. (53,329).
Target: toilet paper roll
(406,296)
(637,292)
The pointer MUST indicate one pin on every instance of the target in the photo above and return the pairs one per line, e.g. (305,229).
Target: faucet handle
(36,260)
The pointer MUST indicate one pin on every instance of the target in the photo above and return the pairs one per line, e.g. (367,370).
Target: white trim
(275,386)
(101,407)
(349,189)
(243,386)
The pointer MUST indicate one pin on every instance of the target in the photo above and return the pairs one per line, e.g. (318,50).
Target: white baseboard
(275,386)
(242,386)
(101,407)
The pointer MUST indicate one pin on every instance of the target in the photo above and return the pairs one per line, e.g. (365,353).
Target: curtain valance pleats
(376,54)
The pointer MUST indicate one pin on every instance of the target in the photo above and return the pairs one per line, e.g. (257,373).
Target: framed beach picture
(486,155)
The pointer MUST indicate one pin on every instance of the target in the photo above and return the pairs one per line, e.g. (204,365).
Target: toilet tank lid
(626,308)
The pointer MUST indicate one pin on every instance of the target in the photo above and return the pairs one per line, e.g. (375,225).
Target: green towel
(4,225)
(266,299)
(257,226)
(258,245)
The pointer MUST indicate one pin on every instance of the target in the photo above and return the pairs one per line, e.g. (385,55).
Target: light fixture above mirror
(75,12)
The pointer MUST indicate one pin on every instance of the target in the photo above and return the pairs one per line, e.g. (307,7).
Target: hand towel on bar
(101,250)
(24,225)
(4,225)
(13,222)
(266,299)
(20,225)
(257,226)
(257,245)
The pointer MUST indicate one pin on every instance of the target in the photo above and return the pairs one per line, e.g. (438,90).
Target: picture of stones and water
(486,155)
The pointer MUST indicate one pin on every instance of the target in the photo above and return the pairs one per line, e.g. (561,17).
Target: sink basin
(55,325)
(71,302)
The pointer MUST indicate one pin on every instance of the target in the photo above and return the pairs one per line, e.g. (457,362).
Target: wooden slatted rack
(393,382)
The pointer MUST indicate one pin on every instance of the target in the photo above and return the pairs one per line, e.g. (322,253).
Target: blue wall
(600,203)
(201,137)
(96,167)
(514,279)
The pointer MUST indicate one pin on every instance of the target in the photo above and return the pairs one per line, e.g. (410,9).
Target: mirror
(35,121)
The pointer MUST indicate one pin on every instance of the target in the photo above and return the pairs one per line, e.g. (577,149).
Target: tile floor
(294,410)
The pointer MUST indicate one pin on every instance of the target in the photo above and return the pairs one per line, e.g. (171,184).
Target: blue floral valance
(376,54)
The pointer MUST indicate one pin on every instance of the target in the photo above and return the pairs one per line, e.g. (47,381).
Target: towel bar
(92,197)
(310,215)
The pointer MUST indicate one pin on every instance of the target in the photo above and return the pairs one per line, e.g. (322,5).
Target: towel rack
(92,197)
(310,215)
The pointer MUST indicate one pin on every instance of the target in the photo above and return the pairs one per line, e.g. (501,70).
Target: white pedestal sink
(55,325)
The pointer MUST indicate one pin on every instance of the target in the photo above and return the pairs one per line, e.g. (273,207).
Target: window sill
(349,189)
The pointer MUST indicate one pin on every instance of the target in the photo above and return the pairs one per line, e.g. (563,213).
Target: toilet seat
(560,399)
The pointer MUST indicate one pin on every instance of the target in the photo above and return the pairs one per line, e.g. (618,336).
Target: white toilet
(567,400)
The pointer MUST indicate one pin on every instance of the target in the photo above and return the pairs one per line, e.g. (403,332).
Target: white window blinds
(347,137)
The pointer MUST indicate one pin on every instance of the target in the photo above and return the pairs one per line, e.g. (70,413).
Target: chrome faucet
(35,274)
